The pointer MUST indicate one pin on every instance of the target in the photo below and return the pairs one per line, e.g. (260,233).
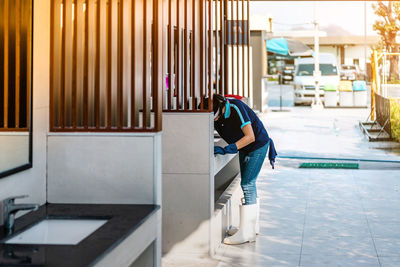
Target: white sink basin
(57,232)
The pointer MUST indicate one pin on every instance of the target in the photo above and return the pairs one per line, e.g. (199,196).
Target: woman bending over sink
(241,128)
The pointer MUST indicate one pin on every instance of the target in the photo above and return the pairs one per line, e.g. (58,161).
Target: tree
(387,26)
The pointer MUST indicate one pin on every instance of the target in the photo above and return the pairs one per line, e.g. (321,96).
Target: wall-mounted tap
(8,209)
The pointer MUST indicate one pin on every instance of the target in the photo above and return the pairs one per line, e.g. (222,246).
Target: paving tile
(387,247)
(338,246)
(389,261)
(267,245)
(281,217)
(287,232)
(336,231)
(335,225)
(251,254)
(273,245)
(189,260)
(385,229)
(389,204)
(383,216)
(281,223)
(320,260)
(266,261)
(334,210)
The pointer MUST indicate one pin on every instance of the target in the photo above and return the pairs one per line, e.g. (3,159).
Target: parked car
(288,73)
(351,73)
(304,83)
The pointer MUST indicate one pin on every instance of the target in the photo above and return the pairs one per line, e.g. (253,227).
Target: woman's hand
(229,149)
(219,150)
(248,137)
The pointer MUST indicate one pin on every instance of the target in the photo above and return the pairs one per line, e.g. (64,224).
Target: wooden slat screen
(106,65)
(200,59)
(234,31)
(15,64)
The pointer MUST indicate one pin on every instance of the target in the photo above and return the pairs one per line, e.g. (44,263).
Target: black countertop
(122,221)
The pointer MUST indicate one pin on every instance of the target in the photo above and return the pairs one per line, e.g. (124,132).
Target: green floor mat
(329,165)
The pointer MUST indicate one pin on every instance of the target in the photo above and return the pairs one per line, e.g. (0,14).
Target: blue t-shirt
(237,115)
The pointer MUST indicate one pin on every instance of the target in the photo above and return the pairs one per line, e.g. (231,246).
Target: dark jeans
(250,166)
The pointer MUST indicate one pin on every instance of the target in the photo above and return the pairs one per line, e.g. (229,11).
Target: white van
(304,86)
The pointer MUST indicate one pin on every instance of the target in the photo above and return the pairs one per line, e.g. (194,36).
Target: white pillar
(317,103)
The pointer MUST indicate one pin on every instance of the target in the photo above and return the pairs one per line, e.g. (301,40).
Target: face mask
(216,114)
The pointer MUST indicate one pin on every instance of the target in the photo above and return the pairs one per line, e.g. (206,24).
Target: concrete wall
(33,181)
(90,168)
(188,182)
(227,211)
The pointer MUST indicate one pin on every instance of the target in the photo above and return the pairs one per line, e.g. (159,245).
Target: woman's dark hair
(218,102)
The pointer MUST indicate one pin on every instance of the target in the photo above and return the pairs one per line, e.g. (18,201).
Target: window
(308,69)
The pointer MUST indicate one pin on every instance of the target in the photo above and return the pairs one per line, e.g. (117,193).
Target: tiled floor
(317,217)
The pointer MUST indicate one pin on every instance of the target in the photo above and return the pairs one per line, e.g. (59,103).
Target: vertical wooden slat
(80,61)
(226,67)
(178,53)
(86,69)
(157,64)
(133,73)
(29,60)
(217,88)
(148,40)
(202,73)
(144,63)
(17,60)
(120,64)
(206,71)
(2,77)
(248,48)
(6,38)
(243,45)
(62,87)
(97,72)
(232,46)
(170,53)
(68,62)
(222,46)
(206,50)
(56,52)
(237,46)
(185,57)
(74,65)
(210,68)
(109,64)
(139,55)
(193,55)
(52,64)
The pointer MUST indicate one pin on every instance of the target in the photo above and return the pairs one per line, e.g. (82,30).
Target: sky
(349,15)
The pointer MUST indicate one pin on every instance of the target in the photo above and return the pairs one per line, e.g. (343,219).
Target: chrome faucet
(8,209)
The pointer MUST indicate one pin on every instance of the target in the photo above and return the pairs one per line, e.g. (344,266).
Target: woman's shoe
(231,231)
(246,232)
